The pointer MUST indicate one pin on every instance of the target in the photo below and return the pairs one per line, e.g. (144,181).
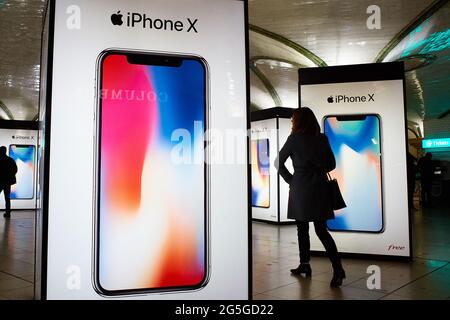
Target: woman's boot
(303,268)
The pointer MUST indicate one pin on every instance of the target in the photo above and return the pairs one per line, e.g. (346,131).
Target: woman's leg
(303,241)
(328,243)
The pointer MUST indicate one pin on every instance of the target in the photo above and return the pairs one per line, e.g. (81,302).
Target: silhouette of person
(411,169)
(8,170)
(312,158)
(426,169)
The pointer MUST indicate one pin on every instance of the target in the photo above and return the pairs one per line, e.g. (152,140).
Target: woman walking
(312,158)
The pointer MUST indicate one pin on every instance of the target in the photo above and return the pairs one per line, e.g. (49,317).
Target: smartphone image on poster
(151,197)
(356,144)
(24,156)
(260,173)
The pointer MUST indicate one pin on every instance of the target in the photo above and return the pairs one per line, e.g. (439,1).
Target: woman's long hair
(304,121)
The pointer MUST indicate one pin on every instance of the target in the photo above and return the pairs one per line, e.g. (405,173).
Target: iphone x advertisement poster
(21,146)
(361,111)
(148,213)
(134,198)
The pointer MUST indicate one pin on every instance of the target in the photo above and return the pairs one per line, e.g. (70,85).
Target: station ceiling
(336,32)
(284,36)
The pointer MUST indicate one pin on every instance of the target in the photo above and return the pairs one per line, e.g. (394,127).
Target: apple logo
(330,99)
(116,19)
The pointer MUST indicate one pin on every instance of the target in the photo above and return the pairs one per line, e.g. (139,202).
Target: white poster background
(285,127)
(267,129)
(221,42)
(389,105)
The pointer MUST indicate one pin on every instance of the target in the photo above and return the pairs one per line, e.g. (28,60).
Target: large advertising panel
(136,203)
(21,147)
(270,128)
(361,110)
(263,152)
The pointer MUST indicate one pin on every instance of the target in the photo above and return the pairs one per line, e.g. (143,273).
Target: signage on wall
(436,143)
(120,73)
(342,98)
(361,109)
(134,19)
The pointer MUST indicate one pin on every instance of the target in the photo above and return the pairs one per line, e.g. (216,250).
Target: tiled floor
(275,251)
(17,256)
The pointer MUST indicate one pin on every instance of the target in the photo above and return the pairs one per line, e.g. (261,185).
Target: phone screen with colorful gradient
(151,212)
(24,156)
(260,173)
(356,144)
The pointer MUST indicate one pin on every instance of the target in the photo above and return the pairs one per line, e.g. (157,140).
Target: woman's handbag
(337,200)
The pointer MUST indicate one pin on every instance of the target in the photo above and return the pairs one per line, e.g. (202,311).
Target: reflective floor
(17,256)
(275,251)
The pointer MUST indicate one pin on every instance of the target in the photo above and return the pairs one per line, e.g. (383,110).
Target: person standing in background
(425,165)
(312,158)
(8,170)
(412,170)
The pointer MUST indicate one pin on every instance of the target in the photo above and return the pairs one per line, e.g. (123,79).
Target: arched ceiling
(335,32)
(426,52)
(284,35)
(274,63)
(20,40)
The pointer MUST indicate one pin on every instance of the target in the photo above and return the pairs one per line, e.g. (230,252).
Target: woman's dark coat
(312,158)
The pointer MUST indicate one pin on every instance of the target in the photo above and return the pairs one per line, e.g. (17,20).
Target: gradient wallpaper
(260,173)
(152,209)
(356,146)
(24,156)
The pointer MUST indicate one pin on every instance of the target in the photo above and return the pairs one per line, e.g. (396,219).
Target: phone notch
(155,60)
(351,117)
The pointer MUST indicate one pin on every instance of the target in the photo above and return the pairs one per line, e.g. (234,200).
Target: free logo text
(396,248)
